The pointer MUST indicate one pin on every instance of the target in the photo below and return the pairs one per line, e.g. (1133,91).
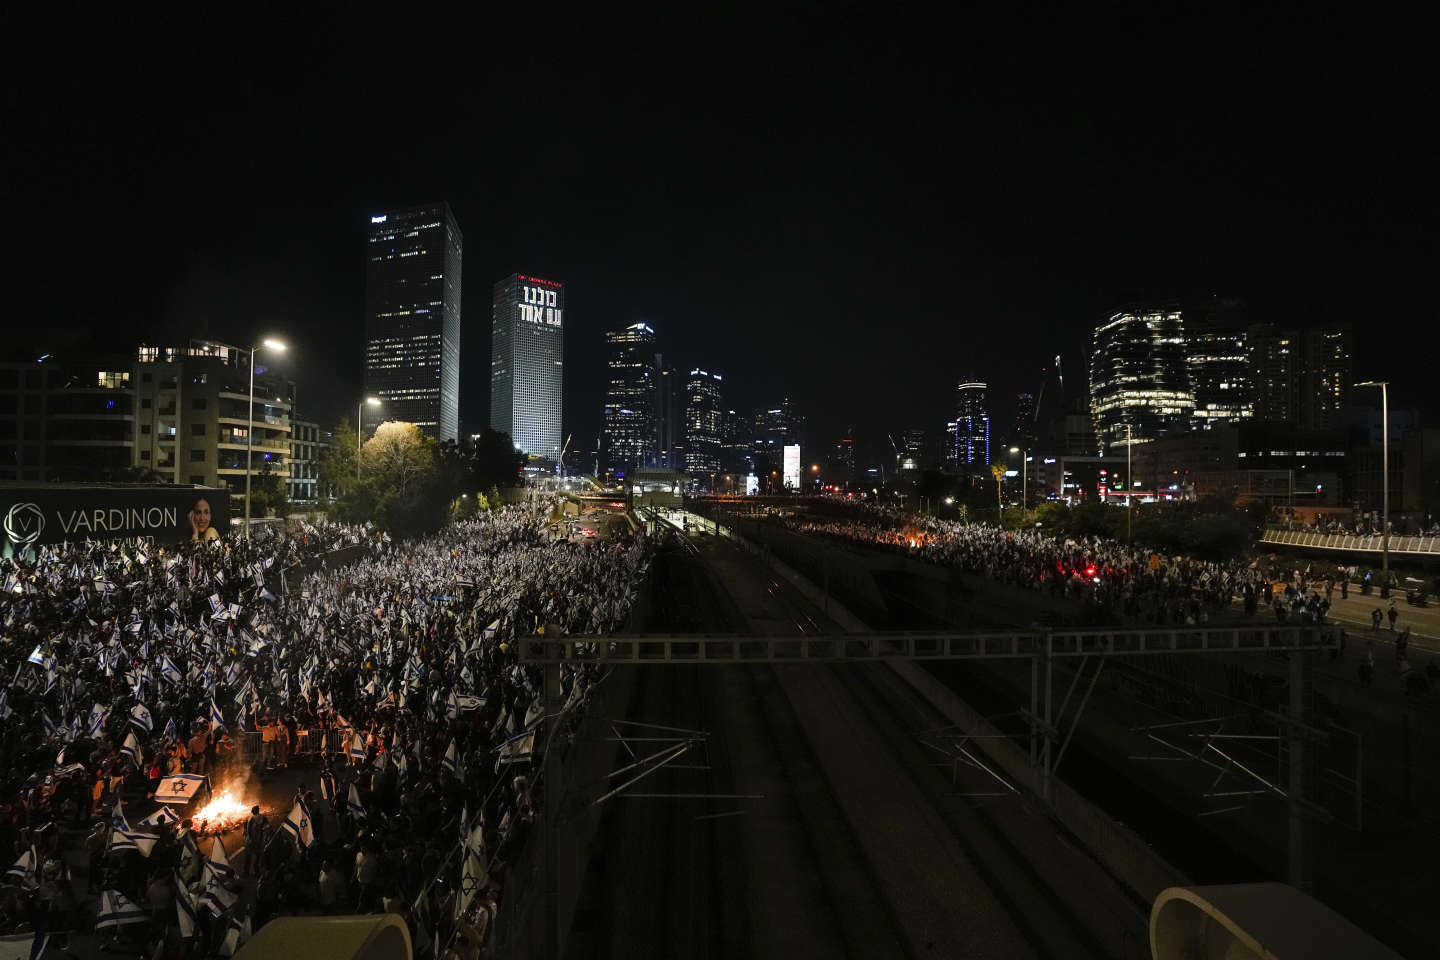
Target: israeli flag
(24,870)
(219,861)
(492,631)
(141,843)
(181,787)
(357,747)
(449,760)
(169,671)
(97,720)
(170,732)
(131,748)
(116,910)
(518,748)
(140,717)
(184,906)
(353,803)
(217,719)
(216,604)
(36,657)
(160,817)
(297,824)
(104,586)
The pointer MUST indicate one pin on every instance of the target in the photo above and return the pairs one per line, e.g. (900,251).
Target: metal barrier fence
(1365,543)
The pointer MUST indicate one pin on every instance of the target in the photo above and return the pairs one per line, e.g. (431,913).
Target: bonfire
(225,811)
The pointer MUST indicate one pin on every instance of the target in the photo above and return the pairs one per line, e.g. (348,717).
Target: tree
(337,464)
(398,458)
(997,470)
(496,461)
(268,493)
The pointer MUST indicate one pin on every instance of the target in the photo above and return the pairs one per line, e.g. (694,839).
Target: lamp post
(359,413)
(1384,386)
(278,347)
(1129,481)
(1024,476)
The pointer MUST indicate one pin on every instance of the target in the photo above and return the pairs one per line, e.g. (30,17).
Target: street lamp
(1384,386)
(359,414)
(1024,476)
(278,347)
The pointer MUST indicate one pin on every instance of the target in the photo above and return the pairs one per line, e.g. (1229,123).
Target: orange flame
(225,811)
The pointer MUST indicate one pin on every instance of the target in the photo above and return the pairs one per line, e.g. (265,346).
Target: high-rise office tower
(704,419)
(1024,430)
(1139,380)
(970,435)
(412,319)
(670,416)
(1299,377)
(527,359)
(1219,363)
(631,404)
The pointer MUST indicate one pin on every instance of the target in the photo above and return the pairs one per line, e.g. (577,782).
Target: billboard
(792,467)
(35,516)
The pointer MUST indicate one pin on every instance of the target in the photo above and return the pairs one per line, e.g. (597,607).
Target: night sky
(852,208)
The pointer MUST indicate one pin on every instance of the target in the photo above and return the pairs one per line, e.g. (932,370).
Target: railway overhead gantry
(1050,730)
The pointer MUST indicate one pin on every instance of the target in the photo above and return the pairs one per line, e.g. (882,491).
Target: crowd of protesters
(392,679)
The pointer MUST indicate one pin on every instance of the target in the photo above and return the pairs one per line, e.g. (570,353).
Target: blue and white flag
(131,748)
(517,749)
(160,817)
(449,760)
(180,787)
(170,732)
(36,657)
(219,861)
(184,906)
(104,586)
(216,604)
(116,910)
(97,720)
(298,825)
(117,818)
(353,803)
(169,671)
(141,843)
(24,870)
(357,747)
(140,717)
(217,719)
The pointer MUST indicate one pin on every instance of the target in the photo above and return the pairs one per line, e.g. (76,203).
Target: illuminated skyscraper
(1024,429)
(970,431)
(1139,380)
(527,363)
(704,420)
(1219,363)
(412,319)
(631,401)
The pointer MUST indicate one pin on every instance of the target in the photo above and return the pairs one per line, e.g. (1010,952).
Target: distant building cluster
(661,417)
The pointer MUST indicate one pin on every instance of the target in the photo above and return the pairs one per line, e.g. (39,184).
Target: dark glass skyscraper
(527,363)
(1139,379)
(412,319)
(631,402)
(1300,377)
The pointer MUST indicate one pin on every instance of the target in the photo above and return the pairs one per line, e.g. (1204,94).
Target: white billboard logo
(24,523)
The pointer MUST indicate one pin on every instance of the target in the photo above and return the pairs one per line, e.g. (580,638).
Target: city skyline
(885,267)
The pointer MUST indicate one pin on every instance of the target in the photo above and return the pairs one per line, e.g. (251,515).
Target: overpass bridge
(1370,544)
